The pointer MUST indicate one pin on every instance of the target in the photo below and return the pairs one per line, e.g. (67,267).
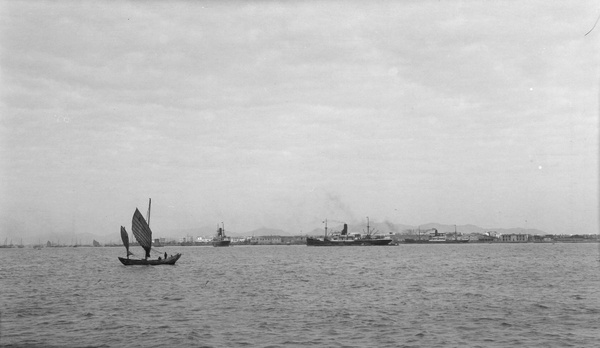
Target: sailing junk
(143,234)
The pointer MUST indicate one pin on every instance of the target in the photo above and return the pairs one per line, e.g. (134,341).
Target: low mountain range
(388,227)
(209,231)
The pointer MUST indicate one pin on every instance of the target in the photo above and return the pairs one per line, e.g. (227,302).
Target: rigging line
(593,26)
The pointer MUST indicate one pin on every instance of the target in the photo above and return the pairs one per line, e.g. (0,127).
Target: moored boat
(220,239)
(343,238)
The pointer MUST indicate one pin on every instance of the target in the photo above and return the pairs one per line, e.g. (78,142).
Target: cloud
(251,111)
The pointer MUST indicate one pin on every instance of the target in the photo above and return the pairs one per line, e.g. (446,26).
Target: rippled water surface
(482,295)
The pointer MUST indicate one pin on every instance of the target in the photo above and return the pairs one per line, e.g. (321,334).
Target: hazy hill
(473,229)
(264,231)
(356,227)
(209,230)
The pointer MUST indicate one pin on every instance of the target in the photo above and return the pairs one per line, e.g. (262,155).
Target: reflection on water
(484,295)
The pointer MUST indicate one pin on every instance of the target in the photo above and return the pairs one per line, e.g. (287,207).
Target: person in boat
(159,258)
(165,255)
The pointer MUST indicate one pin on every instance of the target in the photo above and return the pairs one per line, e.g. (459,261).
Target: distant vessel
(342,238)
(143,234)
(437,238)
(95,243)
(221,240)
(6,245)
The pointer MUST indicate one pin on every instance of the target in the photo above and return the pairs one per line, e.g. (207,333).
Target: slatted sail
(125,239)
(141,231)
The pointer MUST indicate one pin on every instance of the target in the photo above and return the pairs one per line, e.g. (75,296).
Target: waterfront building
(515,238)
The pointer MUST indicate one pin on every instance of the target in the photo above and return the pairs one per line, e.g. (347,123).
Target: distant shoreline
(298,243)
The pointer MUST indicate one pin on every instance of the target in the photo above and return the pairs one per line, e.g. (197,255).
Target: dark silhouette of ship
(342,238)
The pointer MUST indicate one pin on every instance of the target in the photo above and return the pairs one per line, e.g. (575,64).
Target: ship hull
(141,262)
(221,243)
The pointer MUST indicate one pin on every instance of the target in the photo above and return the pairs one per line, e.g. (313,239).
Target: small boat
(143,234)
(342,238)
(96,243)
(221,240)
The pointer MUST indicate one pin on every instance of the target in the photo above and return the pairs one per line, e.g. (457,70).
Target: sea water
(468,295)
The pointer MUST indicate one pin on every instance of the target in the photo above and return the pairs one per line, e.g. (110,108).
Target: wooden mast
(149,206)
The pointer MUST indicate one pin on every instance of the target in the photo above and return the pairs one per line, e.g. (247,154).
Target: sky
(282,114)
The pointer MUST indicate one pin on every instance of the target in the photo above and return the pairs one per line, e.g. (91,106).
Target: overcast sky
(282,114)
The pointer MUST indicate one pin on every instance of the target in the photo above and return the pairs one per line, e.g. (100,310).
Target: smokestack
(345,230)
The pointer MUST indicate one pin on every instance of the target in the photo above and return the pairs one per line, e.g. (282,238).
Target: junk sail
(125,239)
(141,231)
